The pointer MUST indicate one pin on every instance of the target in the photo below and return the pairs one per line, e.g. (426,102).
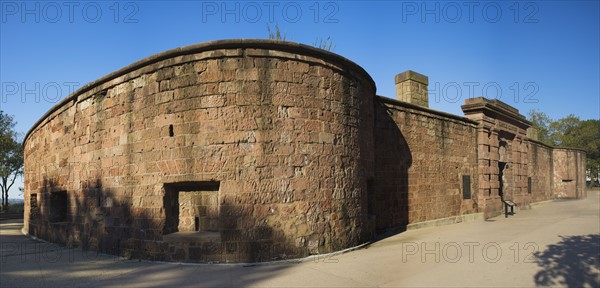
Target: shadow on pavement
(574,262)
(28,263)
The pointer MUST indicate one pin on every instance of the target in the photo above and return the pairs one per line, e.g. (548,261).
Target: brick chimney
(411,87)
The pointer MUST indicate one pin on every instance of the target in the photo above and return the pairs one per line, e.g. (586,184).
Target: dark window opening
(34,209)
(191,206)
(371,195)
(529,185)
(171,133)
(501,167)
(59,206)
(466,185)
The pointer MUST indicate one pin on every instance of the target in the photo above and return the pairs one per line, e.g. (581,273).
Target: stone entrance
(501,153)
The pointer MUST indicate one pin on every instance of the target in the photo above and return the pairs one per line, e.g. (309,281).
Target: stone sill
(194,236)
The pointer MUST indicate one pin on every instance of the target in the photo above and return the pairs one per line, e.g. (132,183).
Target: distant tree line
(570,132)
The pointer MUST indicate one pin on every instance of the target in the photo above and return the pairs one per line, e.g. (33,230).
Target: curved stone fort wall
(258,150)
(228,151)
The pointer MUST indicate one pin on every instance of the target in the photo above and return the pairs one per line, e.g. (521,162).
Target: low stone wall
(569,173)
(11,215)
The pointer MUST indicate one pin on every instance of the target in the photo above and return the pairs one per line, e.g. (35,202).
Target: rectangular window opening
(59,206)
(466,185)
(34,210)
(529,185)
(191,207)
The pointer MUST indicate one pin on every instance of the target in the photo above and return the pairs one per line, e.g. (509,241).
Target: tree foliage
(566,132)
(11,156)
(570,132)
(541,122)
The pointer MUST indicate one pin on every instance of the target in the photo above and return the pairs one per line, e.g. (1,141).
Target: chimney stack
(411,87)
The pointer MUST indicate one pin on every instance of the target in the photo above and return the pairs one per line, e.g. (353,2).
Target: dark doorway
(501,166)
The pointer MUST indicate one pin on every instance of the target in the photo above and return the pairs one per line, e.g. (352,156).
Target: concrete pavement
(553,244)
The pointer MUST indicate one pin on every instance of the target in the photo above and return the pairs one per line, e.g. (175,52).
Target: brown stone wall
(421,156)
(569,173)
(256,150)
(541,170)
(556,172)
(281,132)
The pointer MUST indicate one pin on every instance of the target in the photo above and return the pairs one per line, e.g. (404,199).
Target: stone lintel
(495,109)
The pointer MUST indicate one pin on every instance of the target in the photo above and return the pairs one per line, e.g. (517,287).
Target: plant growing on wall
(325,44)
(275,35)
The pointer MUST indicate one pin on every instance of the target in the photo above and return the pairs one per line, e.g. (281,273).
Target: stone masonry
(260,150)
(502,153)
(411,87)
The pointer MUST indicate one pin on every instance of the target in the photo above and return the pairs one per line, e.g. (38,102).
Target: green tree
(585,135)
(565,132)
(11,157)
(570,132)
(541,122)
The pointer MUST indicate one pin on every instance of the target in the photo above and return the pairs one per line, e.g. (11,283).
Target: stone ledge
(534,204)
(193,237)
(446,221)
(425,111)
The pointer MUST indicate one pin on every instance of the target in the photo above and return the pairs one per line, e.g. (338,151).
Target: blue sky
(531,55)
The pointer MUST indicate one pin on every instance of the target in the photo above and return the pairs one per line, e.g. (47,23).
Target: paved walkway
(556,244)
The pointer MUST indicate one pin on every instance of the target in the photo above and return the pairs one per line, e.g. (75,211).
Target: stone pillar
(411,87)
(494,159)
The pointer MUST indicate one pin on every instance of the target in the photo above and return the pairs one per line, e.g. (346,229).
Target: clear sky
(531,55)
